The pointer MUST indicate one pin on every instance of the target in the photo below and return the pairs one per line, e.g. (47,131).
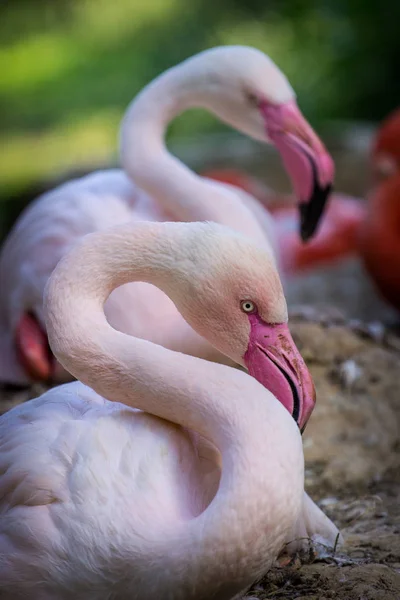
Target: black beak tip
(311,212)
(305,231)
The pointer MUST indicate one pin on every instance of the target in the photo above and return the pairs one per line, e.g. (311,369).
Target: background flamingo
(244,88)
(193,498)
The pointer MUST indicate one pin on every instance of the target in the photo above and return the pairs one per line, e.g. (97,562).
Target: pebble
(349,373)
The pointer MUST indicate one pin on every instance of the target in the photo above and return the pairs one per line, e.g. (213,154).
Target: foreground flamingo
(244,88)
(193,498)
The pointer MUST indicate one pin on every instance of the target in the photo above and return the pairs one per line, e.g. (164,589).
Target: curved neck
(182,193)
(261,488)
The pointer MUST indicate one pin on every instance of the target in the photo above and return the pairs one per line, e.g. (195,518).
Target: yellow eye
(248,306)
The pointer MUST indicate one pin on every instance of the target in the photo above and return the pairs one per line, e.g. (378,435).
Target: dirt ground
(352,454)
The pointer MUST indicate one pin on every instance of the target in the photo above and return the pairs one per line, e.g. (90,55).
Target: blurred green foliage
(70,67)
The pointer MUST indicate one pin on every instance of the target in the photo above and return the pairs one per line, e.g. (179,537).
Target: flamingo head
(309,165)
(234,298)
(386,148)
(247,90)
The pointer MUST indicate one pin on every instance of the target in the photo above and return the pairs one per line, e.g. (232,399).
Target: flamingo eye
(252,99)
(248,306)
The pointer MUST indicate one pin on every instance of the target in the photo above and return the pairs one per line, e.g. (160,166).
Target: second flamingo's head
(229,291)
(247,90)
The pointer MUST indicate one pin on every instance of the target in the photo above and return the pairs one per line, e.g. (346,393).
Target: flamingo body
(170,476)
(99,476)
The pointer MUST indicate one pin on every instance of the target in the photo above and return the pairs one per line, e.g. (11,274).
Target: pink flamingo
(244,88)
(170,476)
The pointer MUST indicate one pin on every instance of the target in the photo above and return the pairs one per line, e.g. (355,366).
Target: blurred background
(70,67)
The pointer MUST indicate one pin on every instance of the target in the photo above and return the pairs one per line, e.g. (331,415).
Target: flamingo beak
(306,159)
(274,360)
(33,349)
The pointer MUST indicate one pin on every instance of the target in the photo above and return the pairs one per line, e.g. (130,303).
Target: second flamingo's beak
(306,159)
(274,360)
(32,348)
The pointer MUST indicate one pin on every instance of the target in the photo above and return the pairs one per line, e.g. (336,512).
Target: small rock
(376,331)
(328,501)
(349,373)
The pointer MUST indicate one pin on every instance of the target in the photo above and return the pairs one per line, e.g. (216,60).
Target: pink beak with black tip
(274,360)
(306,159)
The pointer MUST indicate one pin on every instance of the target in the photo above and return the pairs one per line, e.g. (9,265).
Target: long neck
(182,193)
(260,493)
